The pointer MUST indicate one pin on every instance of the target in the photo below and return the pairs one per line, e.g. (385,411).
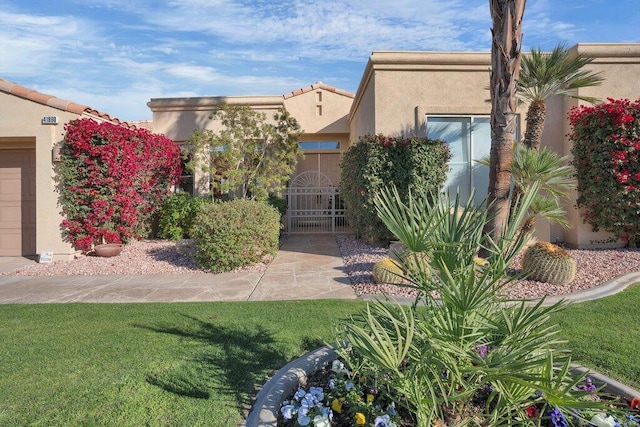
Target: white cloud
(115,55)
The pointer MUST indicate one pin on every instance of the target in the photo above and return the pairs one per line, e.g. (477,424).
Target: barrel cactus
(387,271)
(546,262)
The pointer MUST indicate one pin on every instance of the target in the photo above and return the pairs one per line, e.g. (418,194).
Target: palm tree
(506,54)
(545,74)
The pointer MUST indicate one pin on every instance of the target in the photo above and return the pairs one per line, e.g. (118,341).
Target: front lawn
(187,364)
(150,364)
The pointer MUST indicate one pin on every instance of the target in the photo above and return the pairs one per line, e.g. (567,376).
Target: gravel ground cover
(139,257)
(594,267)
(161,257)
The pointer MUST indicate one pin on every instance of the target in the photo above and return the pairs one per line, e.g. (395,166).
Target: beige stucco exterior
(21,128)
(321,111)
(398,90)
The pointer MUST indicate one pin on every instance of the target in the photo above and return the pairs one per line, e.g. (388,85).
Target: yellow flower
(360,419)
(370,398)
(336,406)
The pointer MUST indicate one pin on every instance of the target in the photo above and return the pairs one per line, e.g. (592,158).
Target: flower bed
(310,374)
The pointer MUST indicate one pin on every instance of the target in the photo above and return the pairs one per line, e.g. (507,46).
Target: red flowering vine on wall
(606,150)
(112,180)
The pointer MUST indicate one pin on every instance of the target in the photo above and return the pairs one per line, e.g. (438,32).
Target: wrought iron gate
(314,205)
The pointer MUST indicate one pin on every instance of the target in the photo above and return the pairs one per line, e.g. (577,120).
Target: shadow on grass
(231,361)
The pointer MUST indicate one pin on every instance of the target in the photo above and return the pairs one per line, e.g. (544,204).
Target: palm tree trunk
(536,114)
(506,54)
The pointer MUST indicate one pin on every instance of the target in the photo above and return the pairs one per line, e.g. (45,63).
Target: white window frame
(469,165)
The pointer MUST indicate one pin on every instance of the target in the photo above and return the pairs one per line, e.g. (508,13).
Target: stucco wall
(178,118)
(362,117)
(21,119)
(406,86)
(399,89)
(320,111)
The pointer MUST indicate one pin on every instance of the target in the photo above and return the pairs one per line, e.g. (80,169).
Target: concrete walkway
(305,267)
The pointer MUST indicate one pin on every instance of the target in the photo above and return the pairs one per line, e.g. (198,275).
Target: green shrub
(461,353)
(177,215)
(279,203)
(232,234)
(376,162)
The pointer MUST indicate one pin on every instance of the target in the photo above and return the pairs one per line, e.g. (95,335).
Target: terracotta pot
(108,249)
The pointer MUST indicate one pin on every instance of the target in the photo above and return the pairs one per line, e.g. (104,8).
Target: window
(186,183)
(469,139)
(319,145)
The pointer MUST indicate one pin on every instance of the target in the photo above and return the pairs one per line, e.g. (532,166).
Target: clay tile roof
(318,85)
(55,102)
(143,124)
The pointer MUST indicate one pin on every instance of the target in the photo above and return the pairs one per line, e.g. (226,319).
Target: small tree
(248,154)
(606,156)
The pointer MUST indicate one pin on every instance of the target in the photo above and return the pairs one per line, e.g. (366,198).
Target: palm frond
(558,72)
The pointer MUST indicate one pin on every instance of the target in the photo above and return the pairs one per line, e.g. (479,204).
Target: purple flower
(588,385)
(483,350)
(557,419)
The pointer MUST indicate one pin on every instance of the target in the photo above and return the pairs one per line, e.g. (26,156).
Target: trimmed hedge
(378,161)
(236,233)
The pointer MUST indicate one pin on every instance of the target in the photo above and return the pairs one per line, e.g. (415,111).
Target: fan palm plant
(554,177)
(545,74)
(556,180)
(467,357)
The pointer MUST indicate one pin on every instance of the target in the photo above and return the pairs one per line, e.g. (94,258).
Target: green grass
(149,364)
(188,364)
(604,335)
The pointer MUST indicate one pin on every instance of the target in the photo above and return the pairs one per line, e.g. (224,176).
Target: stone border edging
(610,385)
(605,289)
(267,405)
(602,290)
(264,412)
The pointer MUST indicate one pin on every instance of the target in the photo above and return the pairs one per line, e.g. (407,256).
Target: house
(439,94)
(31,126)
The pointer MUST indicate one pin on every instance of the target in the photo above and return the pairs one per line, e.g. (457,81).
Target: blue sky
(115,55)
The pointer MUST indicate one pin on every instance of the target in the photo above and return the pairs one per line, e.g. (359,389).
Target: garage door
(17,202)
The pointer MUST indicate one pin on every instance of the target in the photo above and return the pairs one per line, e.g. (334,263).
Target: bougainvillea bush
(112,180)
(606,151)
